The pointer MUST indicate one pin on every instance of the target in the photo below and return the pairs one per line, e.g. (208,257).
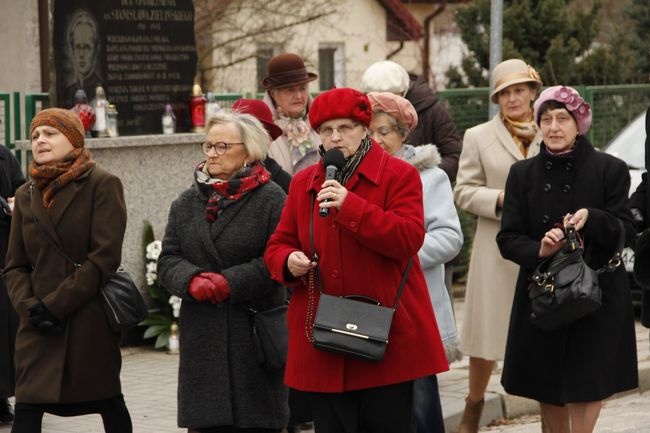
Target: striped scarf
(51,178)
(223,193)
(351,164)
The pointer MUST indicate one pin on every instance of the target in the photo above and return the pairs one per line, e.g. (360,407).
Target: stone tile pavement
(149,381)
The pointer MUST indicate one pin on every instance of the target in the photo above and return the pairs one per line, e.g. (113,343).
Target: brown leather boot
(544,426)
(471,416)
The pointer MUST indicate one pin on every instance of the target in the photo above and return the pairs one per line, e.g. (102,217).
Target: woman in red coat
(374,226)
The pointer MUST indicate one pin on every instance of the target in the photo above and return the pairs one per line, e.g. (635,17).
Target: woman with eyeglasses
(374,226)
(212,258)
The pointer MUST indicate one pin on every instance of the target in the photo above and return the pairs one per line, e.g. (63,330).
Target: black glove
(638,218)
(41,318)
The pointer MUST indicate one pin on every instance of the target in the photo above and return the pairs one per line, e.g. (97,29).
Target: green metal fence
(5,120)
(226,100)
(613,107)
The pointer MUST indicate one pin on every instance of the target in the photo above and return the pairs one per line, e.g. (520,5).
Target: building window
(331,66)
(264,54)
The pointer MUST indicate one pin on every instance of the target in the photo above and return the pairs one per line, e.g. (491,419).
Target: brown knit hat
(65,121)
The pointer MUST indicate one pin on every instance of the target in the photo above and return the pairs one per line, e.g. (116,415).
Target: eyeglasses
(344,129)
(220,147)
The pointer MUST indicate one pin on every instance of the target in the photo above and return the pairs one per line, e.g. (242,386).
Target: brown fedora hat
(286,69)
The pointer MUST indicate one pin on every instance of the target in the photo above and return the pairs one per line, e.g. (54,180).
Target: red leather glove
(200,288)
(220,289)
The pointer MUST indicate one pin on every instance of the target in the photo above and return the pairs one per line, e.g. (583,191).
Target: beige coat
(488,152)
(280,150)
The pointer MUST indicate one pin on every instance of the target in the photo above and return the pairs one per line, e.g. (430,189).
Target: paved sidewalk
(149,385)
(149,381)
(453,385)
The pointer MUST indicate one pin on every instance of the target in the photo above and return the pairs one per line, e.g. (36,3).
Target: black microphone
(333,160)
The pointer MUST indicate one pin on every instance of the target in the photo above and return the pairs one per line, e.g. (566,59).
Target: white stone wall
(20,69)
(19,50)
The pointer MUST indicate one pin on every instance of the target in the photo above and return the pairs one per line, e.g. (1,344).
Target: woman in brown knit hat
(79,207)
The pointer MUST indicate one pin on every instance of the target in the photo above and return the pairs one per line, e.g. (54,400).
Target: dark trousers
(427,407)
(115,415)
(230,429)
(385,409)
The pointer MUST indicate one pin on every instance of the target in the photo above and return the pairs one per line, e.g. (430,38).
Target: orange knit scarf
(51,178)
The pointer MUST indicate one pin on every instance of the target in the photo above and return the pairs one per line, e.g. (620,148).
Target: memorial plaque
(142,52)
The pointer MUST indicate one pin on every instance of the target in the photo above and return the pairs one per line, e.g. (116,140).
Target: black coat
(10,179)
(595,356)
(278,175)
(434,126)
(640,199)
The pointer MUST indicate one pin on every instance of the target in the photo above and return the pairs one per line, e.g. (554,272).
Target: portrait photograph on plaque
(142,53)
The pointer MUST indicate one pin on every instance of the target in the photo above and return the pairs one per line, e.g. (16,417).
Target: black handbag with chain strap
(356,326)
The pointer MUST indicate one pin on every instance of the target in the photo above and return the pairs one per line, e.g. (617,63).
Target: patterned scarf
(353,162)
(297,132)
(522,132)
(51,178)
(223,193)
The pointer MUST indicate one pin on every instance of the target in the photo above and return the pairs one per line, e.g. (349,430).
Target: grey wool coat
(87,221)
(220,382)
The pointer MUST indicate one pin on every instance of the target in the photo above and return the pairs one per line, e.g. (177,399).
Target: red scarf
(223,193)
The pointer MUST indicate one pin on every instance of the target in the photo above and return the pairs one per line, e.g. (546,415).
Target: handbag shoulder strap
(315,258)
(48,238)
(616,259)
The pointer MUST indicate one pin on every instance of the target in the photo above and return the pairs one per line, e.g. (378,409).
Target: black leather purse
(564,288)
(120,297)
(270,336)
(356,326)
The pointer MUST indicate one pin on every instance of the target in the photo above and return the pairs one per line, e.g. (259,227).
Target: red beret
(343,103)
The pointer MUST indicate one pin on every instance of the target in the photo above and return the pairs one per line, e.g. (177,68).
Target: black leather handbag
(270,336)
(120,297)
(355,326)
(564,288)
(122,301)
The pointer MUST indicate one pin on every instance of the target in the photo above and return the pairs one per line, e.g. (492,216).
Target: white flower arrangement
(175,302)
(162,318)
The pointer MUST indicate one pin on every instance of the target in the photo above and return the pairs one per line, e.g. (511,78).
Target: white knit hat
(385,76)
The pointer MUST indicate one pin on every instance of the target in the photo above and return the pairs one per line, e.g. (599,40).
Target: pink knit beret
(396,106)
(573,102)
(343,103)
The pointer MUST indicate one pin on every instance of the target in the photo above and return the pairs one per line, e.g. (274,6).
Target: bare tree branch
(258,33)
